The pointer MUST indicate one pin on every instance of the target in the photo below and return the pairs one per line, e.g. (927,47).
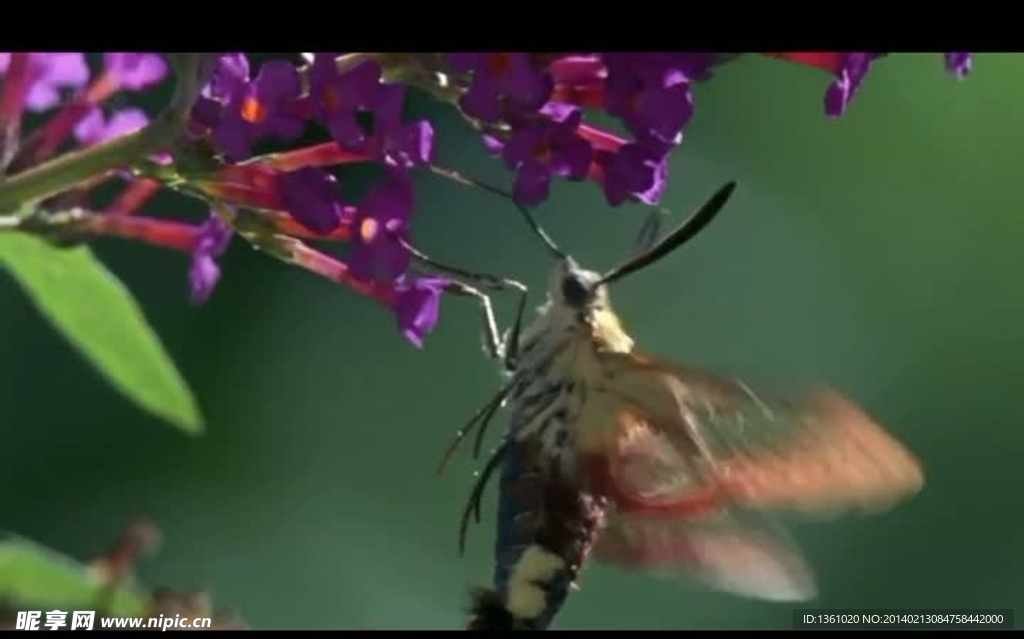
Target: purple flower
(214,237)
(95,128)
(48,73)
(135,71)
(500,78)
(697,65)
(650,94)
(633,172)
(848,79)
(417,306)
(230,75)
(312,199)
(259,108)
(660,68)
(339,97)
(494,144)
(163,158)
(206,114)
(546,147)
(379,226)
(959,64)
(396,142)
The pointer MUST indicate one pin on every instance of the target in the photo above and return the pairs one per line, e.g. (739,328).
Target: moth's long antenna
(686,231)
(454,175)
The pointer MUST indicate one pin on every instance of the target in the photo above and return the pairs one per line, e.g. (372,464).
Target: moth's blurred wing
(666,515)
(737,553)
(680,433)
(689,463)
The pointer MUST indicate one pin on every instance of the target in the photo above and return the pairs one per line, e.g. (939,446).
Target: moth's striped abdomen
(546,525)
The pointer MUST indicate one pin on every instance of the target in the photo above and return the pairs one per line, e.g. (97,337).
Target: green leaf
(32,575)
(99,316)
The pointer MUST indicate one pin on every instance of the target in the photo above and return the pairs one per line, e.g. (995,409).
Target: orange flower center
(368,229)
(543,152)
(253,110)
(330,98)
(499,63)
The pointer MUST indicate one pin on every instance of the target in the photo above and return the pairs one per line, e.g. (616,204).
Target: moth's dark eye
(574,291)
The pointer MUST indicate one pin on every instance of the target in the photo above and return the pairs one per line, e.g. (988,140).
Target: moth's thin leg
(496,346)
(484,280)
(512,341)
(492,339)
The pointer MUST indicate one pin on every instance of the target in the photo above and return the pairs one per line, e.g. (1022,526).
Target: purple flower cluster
(242,110)
(958,63)
(237,111)
(530,108)
(850,69)
(135,71)
(541,100)
(96,127)
(40,82)
(47,75)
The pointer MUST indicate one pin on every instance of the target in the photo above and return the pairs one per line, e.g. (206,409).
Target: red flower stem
(281,223)
(240,195)
(134,197)
(578,70)
(168,234)
(299,254)
(45,142)
(584,96)
(601,140)
(830,61)
(318,155)
(71,169)
(286,224)
(12,102)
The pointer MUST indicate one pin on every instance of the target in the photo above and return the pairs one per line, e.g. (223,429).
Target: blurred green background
(879,252)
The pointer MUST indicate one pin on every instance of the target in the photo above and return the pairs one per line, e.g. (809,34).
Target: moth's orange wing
(732,551)
(666,515)
(689,461)
(821,454)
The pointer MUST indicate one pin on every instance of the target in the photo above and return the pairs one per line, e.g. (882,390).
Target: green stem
(67,171)
(427,83)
